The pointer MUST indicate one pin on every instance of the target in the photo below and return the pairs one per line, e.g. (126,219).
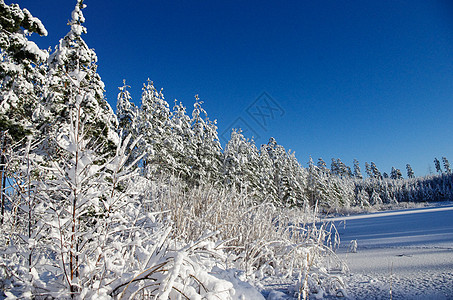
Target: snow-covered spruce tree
(129,117)
(322,166)
(344,194)
(73,62)
(235,156)
(21,71)
(206,164)
(343,170)
(362,198)
(181,143)
(446,164)
(339,168)
(154,126)
(334,169)
(313,173)
(437,165)
(328,192)
(317,189)
(375,198)
(410,172)
(375,171)
(266,170)
(396,173)
(126,112)
(289,177)
(278,156)
(349,172)
(368,171)
(296,181)
(240,164)
(357,172)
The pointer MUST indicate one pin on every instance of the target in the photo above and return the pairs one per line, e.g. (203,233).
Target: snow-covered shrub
(20,227)
(260,239)
(84,230)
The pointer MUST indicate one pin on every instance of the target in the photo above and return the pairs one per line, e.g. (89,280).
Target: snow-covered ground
(405,254)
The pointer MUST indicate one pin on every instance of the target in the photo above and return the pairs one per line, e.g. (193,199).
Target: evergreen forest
(143,202)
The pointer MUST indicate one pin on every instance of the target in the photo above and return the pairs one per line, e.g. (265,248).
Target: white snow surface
(405,254)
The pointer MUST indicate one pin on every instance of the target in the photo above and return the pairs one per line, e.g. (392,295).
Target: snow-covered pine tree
(362,198)
(343,170)
(182,142)
(375,198)
(233,160)
(312,180)
(446,164)
(322,166)
(410,172)
(368,171)
(437,165)
(240,164)
(349,171)
(154,126)
(297,180)
(317,188)
(207,163)
(375,171)
(334,167)
(126,112)
(340,193)
(21,71)
(72,66)
(277,154)
(393,173)
(266,171)
(357,172)
(212,151)
(288,175)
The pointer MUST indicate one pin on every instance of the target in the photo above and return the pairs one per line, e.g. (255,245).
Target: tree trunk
(2,173)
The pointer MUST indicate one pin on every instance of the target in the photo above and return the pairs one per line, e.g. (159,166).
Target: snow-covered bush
(260,239)
(83,230)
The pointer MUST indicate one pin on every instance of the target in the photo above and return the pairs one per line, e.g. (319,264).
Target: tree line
(40,87)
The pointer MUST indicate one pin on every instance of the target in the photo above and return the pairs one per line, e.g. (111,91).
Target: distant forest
(40,88)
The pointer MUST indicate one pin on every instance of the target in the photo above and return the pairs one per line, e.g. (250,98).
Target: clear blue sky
(371,80)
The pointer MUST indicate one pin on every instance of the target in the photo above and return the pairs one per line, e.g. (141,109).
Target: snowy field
(405,254)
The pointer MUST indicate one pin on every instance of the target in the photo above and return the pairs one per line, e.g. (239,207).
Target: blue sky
(371,80)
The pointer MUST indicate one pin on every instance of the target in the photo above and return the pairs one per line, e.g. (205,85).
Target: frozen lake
(408,253)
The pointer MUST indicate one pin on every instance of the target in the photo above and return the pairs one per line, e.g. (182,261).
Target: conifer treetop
(15,25)
(73,44)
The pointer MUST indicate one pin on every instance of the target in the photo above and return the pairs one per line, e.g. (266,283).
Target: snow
(41,30)
(32,48)
(243,290)
(277,295)
(408,253)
